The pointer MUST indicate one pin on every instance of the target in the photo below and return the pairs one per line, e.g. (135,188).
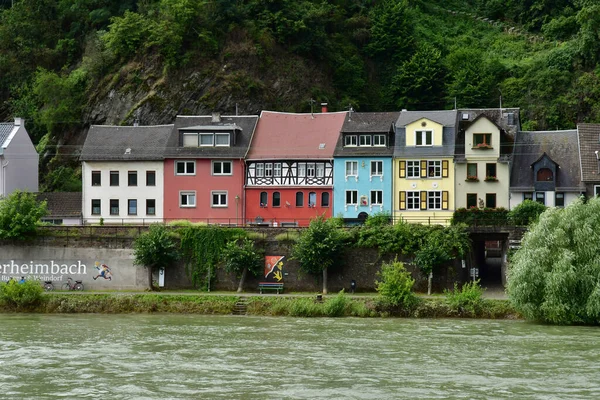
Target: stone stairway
(241,307)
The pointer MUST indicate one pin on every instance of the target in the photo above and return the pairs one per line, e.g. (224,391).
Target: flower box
(483,146)
(491,179)
(471,178)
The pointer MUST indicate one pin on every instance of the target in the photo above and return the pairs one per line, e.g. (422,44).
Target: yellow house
(483,150)
(424,167)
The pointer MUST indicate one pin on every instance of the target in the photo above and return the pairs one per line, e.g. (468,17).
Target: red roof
(300,136)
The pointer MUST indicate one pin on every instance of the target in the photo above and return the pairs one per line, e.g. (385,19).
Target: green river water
(228,357)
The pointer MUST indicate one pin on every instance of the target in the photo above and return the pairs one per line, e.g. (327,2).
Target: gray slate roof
(447,118)
(560,146)
(243,125)
(372,122)
(5,130)
(498,116)
(106,143)
(589,142)
(62,204)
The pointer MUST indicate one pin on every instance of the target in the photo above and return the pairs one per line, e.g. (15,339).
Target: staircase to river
(241,307)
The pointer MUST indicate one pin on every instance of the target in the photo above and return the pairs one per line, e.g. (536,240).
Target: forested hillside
(65,64)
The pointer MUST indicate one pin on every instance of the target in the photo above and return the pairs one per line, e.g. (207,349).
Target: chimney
(216,117)
(323,107)
(19,122)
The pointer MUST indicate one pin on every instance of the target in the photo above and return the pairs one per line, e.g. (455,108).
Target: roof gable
(5,129)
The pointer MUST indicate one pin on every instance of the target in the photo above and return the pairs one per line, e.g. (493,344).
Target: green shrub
(21,295)
(336,306)
(305,307)
(396,284)
(480,216)
(467,299)
(525,213)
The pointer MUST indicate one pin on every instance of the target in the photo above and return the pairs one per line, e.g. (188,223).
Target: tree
(155,249)
(555,275)
(396,284)
(525,213)
(242,257)
(20,213)
(318,247)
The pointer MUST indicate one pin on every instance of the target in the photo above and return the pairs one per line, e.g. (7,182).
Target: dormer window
(544,175)
(365,140)
(205,139)
(424,138)
(350,140)
(378,140)
(221,139)
(482,140)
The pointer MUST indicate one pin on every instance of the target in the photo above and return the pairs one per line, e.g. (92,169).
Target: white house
(123,174)
(18,159)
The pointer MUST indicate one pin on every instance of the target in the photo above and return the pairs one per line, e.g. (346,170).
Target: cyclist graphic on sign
(103,271)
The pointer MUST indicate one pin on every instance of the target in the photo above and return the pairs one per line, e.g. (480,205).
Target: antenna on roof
(312,104)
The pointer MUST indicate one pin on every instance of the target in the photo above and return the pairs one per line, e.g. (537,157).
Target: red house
(205,170)
(289,168)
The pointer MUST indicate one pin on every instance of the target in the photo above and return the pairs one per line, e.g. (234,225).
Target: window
(190,139)
(269,169)
(264,198)
(490,200)
(350,140)
(260,170)
(540,197)
(185,167)
(132,207)
(320,170)
(187,199)
(324,199)
(310,170)
(114,207)
(96,209)
(96,178)
(277,169)
(378,140)
(221,167)
(471,200)
(412,200)
(299,199)
(301,170)
(413,169)
(434,200)
(544,175)
(276,199)
(527,196)
(596,190)
(471,172)
(150,207)
(351,168)
(132,178)
(559,200)
(490,171)
(376,197)
(150,178)
(222,139)
(434,169)
(482,140)
(351,197)
(365,140)
(424,138)
(312,199)
(376,168)
(219,199)
(114,178)
(206,139)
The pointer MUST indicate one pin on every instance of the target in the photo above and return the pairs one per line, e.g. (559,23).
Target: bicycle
(48,286)
(72,285)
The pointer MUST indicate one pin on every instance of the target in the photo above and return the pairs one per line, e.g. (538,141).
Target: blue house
(362,167)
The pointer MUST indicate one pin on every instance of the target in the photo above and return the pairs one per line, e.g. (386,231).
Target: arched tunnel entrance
(488,259)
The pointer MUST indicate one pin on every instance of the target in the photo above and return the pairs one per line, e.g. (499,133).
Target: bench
(270,286)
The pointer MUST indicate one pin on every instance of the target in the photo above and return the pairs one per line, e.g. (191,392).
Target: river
(227,357)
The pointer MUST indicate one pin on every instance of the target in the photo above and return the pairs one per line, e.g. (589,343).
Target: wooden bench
(270,286)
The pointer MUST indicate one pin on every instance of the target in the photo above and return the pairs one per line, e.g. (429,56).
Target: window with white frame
(219,199)
(187,199)
(350,140)
(376,168)
(277,169)
(376,197)
(413,169)
(320,170)
(190,139)
(434,200)
(365,140)
(301,170)
(207,139)
(424,138)
(351,168)
(434,169)
(96,178)
(221,168)
(413,200)
(310,170)
(260,170)
(378,140)
(96,208)
(269,169)
(222,139)
(351,197)
(185,167)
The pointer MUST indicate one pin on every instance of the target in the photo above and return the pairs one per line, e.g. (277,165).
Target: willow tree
(555,275)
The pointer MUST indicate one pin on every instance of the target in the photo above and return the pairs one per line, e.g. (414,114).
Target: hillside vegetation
(65,64)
